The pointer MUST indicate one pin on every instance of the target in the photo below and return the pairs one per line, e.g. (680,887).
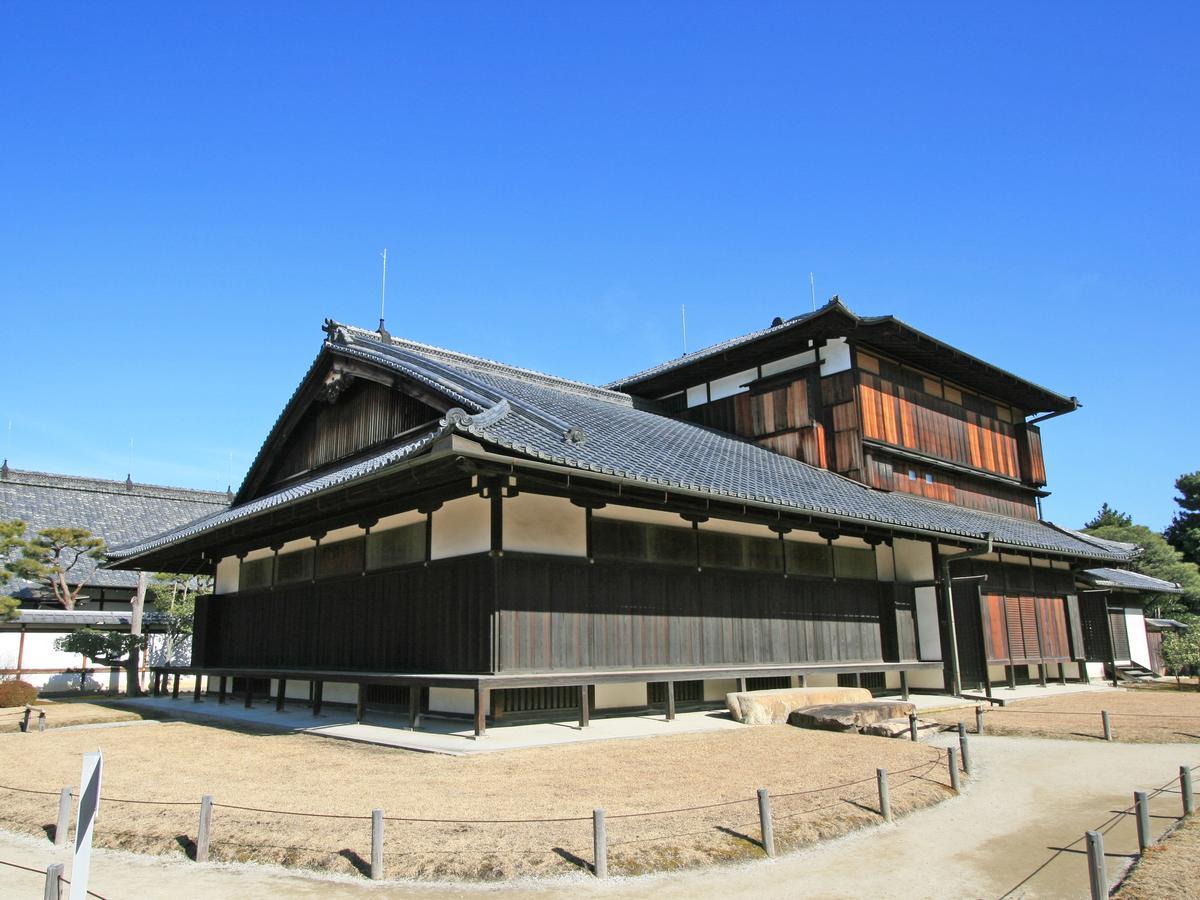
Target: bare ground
(1152,714)
(69,711)
(340,782)
(1169,870)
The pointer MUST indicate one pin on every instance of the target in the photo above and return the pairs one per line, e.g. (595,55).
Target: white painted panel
(716,689)
(788,362)
(228,572)
(621,695)
(697,395)
(339,692)
(1095,671)
(399,520)
(342,534)
(1135,624)
(928,636)
(914,560)
(534,523)
(927,680)
(732,384)
(727,526)
(298,544)
(835,357)
(452,700)
(647,516)
(822,679)
(884,564)
(259,553)
(804,537)
(461,527)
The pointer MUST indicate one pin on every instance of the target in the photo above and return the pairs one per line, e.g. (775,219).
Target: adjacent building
(831,498)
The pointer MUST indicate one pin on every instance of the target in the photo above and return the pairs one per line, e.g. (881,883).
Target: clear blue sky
(186,192)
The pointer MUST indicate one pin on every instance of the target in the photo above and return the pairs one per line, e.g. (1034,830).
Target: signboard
(89,805)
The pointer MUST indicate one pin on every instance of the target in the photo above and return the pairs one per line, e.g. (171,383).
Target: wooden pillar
(155,682)
(481,699)
(670,701)
(741,685)
(1062,672)
(21,654)
(903,685)
(281,695)
(221,684)
(585,707)
(1042,674)
(414,707)
(803,681)
(1083,675)
(360,711)
(249,692)
(318,691)
(1012,674)
(175,688)
(196,688)
(858,679)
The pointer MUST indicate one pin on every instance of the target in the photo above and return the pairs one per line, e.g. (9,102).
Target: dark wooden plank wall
(416,618)
(1029,449)
(892,475)
(365,414)
(565,614)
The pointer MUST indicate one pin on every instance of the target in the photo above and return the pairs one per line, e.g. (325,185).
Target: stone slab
(850,716)
(774,707)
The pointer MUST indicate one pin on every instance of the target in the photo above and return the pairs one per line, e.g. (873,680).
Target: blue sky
(186,192)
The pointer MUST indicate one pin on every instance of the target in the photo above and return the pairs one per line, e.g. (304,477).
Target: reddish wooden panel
(1029,446)
(1052,616)
(995,634)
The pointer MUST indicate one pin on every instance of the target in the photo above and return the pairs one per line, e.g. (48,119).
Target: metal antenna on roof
(383,295)
(683,317)
(812,286)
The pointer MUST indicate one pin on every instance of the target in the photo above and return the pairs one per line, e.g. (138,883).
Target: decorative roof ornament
(574,435)
(460,418)
(4,470)
(338,334)
(129,482)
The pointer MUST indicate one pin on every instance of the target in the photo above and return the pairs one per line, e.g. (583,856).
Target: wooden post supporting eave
(585,707)
(670,701)
(281,695)
(481,701)
(317,694)
(360,711)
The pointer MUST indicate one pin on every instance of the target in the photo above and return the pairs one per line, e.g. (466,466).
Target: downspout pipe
(948,594)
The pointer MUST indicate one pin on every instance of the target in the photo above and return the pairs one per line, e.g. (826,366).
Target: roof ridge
(108,485)
(581,387)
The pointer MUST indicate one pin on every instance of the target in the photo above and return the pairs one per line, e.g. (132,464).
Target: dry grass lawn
(1168,871)
(60,713)
(1156,714)
(719,772)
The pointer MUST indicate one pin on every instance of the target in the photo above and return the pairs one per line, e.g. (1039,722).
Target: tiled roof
(1135,581)
(118,511)
(582,427)
(83,618)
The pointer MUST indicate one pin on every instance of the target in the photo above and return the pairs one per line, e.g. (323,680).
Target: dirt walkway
(1029,798)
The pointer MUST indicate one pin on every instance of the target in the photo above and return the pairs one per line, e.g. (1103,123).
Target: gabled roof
(835,319)
(1123,579)
(584,428)
(118,511)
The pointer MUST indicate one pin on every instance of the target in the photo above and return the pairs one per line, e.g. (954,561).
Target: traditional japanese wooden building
(469,537)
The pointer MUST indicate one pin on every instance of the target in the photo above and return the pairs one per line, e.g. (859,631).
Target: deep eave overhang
(887,334)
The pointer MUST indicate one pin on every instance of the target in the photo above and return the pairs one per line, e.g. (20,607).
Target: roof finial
(4,469)
(229,492)
(383,332)
(129,482)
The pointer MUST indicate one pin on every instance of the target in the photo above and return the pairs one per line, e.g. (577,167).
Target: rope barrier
(42,873)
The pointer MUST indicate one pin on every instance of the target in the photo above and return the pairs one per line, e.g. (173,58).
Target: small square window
(928,478)
(912,474)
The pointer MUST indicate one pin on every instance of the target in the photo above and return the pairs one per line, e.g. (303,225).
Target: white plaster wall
(914,560)
(822,679)
(732,384)
(228,571)
(927,680)
(259,553)
(339,692)
(534,523)
(341,534)
(835,356)
(39,653)
(296,690)
(697,395)
(884,564)
(1095,671)
(399,520)
(621,694)
(717,688)
(788,362)
(929,640)
(299,544)
(1135,624)
(452,700)
(804,537)
(648,516)
(461,527)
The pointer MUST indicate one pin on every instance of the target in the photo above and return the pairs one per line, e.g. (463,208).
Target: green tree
(108,648)
(12,536)
(1184,531)
(56,557)
(1181,652)
(1107,516)
(174,595)
(1159,560)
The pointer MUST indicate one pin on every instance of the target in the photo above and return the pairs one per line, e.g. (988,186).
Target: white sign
(89,805)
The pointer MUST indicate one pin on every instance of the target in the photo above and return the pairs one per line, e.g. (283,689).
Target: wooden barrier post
(202,834)
(885,802)
(1141,804)
(41,720)
(670,701)
(979,719)
(585,711)
(1096,877)
(1185,789)
(952,753)
(63,826)
(765,823)
(376,844)
(599,844)
(54,874)
(912,725)
(24,723)
(964,748)
(1108,735)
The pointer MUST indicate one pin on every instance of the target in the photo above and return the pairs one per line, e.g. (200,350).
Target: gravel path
(1029,797)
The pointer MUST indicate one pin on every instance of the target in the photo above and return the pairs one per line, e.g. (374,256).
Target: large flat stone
(774,707)
(850,716)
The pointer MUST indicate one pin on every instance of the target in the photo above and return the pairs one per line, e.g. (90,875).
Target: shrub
(17,693)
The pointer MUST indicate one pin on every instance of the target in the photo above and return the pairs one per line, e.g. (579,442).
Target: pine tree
(1184,531)
(1108,517)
